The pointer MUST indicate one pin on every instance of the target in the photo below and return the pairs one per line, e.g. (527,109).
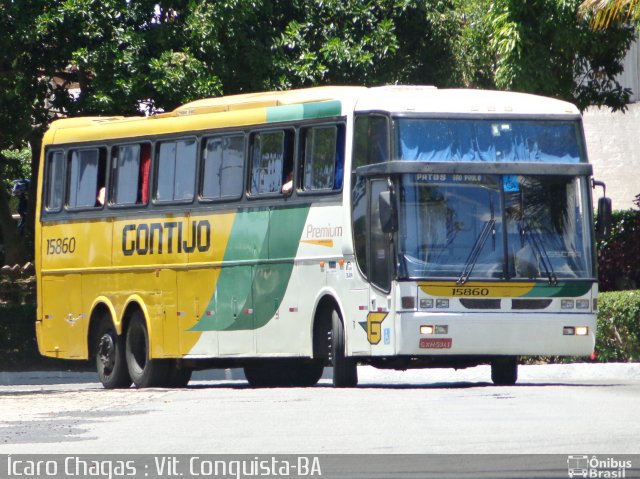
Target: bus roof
(269,107)
(421,99)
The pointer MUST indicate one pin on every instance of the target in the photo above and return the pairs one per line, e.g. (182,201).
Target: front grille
(530,303)
(480,303)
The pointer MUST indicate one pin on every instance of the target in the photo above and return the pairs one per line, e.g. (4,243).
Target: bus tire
(284,373)
(305,372)
(144,371)
(178,377)
(345,369)
(259,376)
(111,363)
(504,371)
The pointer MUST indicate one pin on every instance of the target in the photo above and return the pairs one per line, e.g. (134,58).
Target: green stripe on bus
(304,111)
(248,296)
(562,289)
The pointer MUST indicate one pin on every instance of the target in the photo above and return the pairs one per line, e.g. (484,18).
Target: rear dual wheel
(111,363)
(144,371)
(125,359)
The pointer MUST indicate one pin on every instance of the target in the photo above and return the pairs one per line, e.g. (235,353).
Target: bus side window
(271,161)
(371,140)
(223,167)
(323,164)
(87,178)
(126,168)
(143,179)
(176,170)
(54,181)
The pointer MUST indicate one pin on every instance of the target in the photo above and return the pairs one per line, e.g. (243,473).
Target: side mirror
(603,215)
(603,221)
(387,210)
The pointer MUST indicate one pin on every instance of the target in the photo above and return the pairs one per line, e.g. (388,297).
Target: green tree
(604,13)
(544,47)
(368,43)
(113,57)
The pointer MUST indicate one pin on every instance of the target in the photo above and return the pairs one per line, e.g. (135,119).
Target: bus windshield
(545,141)
(494,227)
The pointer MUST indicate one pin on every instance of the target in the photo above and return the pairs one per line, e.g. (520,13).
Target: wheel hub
(106,351)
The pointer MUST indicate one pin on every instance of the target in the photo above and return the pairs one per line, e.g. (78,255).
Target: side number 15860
(61,245)
(470,292)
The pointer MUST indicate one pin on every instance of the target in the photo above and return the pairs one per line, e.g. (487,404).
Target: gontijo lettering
(167,237)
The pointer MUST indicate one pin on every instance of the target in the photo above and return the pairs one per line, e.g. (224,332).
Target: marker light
(568,331)
(582,330)
(442,329)
(426,303)
(595,304)
(442,303)
(426,329)
(582,304)
(567,304)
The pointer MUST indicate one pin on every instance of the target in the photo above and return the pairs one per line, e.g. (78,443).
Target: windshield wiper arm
(472,259)
(538,246)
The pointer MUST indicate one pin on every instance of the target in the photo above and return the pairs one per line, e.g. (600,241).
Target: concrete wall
(613,145)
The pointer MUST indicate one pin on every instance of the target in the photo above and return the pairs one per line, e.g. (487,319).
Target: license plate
(436,343)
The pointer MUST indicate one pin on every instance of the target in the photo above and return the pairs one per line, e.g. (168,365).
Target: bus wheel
(260,375)
(284,373)
(144,372)
(307,372)
(504,371)
(110,358)
(345,369)
(178,377)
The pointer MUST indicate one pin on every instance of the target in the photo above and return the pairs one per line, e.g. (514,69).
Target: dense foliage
(619,253)
(619,326)
(118,57)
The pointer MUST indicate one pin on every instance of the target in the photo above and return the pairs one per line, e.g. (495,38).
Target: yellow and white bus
(399,227)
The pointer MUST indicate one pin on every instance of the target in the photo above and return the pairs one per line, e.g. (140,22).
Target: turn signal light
(408,302)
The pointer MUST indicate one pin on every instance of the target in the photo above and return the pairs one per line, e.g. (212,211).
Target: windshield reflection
(467,227)
(422,139)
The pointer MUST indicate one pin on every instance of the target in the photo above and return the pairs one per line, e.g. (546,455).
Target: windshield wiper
(539,248)
(472,259)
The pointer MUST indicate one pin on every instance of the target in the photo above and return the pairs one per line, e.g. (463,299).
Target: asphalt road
(561,409)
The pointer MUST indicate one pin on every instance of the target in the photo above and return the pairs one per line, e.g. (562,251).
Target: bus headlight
(575,330)
(582,330)
(567,304)
(441,329)
(442,303)
(582,304)
(426,329)
(426,303)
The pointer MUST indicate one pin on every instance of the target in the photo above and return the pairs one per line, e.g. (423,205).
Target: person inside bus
(287,187)
(100,197)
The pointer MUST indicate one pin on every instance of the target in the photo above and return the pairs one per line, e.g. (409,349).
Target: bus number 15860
(470,292)
(61,245)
